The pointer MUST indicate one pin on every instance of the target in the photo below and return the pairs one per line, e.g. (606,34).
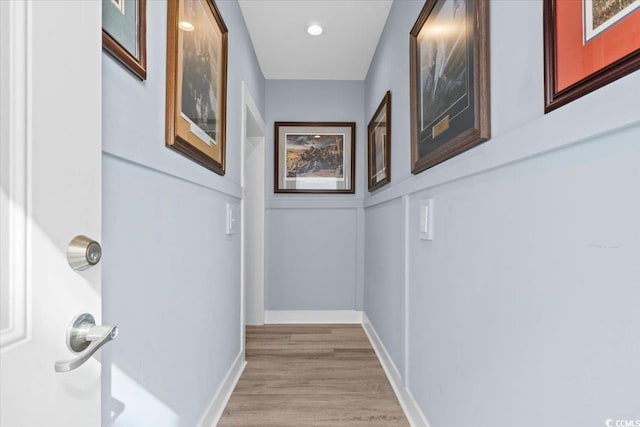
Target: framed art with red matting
(588,44)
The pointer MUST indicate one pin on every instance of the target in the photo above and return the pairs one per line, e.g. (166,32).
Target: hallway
(320,375)
(319,213)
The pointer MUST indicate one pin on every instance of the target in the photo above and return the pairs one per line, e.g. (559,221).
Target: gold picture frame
(197,82)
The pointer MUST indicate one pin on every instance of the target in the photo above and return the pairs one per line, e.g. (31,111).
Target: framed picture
(124,29)
(379,145)
(588,44)
(197,82)
(449,50)
(315,157)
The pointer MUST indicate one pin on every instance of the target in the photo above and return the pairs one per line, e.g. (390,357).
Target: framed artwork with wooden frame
(197,82)
(379,145)
(449,51)
(588,44)
(315,157)
(124,33)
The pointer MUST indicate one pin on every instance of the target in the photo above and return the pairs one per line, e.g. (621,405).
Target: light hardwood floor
(312,375)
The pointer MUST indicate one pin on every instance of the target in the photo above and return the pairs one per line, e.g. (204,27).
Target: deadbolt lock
(83,253)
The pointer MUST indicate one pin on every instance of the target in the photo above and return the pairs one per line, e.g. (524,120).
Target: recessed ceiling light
(314,29)
(186,26)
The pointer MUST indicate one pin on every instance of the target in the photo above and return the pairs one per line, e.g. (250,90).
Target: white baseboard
(410,407)
(216,408)
(312,316)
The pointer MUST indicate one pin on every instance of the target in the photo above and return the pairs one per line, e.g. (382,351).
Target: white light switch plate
(232,223)
(426,219)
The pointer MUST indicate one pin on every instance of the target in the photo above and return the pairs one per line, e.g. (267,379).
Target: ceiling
(278,30)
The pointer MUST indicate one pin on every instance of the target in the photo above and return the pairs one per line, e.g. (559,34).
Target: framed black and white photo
(197,82)
(449,51)
(124,33)
(314,157)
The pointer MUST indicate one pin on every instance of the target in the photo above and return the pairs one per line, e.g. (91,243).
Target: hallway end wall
(314,242)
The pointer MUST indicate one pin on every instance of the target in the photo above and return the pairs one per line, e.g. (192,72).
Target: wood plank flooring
(312,375)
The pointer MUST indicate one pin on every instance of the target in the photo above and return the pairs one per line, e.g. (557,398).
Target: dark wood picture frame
(555,98)
(311,128)
(375,126)
(138,66)
(181,135)
(469,127)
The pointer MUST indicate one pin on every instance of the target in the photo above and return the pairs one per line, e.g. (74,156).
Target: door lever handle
(85,338)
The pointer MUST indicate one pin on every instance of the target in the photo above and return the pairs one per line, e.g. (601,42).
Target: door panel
(59,130)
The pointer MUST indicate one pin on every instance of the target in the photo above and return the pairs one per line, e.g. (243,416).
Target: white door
(50,163)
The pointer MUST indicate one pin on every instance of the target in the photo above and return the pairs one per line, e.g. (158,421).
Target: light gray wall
(314,243)
(384,275)
(171,275)
(522,310)
(311,259)
(525,305)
